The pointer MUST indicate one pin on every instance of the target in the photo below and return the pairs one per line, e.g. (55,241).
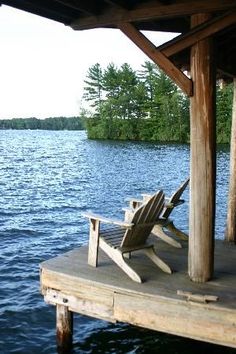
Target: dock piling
(64,324)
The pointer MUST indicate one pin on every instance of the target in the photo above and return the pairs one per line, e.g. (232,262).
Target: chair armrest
(180,201)
(136,200)
(146,195)
(128,209)
(121,223)
(173,205)
(169,205)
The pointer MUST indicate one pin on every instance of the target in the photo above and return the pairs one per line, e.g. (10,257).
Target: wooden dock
(107,293)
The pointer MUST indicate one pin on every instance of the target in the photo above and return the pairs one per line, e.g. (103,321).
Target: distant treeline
(57,123)
(144,105)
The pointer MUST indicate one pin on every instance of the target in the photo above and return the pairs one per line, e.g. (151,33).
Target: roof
(162,15)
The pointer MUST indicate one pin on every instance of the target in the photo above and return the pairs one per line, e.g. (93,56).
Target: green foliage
(60,123)
(145,105)
(224,113)
(138,106)
(94,86)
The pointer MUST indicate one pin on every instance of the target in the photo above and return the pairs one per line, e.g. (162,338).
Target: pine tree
(94,87)
(148,75)
(224,103)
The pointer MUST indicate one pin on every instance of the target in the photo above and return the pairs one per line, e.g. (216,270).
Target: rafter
(86,6)
(50,10)
(118,3)
(198,33)
(160,59)
(225,74)
(152,10)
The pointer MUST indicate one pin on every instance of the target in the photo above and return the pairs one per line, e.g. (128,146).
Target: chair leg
(172,228)
(158,231)
(93,242)
(127,255)
(117,257)
(150,252)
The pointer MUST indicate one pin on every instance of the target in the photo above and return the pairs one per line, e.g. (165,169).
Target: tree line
(144,105)
(56,123)
(133,105)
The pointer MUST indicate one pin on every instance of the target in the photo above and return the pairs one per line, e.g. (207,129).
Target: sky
(43,64)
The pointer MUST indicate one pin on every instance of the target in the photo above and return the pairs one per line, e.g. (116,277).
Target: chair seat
(113,235)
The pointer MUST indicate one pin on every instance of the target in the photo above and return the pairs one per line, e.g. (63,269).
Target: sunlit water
(47,179)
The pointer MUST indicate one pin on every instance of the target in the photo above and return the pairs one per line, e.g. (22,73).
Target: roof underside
(163,15)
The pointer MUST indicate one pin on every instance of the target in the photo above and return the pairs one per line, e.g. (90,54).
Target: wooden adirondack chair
(126,237)
(164,222)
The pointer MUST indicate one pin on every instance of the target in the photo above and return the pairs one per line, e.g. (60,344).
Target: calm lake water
(47,180)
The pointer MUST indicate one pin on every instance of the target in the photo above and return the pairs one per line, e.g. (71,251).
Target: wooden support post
(203,151)
(64,329)
(230,234)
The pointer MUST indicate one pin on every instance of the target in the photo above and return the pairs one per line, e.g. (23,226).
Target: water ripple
(47,180)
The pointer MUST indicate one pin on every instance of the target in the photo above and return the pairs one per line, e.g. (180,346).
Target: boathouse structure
(198,300)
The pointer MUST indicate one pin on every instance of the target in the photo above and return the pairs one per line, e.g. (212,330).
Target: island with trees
(144,105)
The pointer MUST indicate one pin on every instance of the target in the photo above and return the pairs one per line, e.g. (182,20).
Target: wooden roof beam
(224,73)
(198,33)
(86,6)
(160,59)
(50,11)
(152,10)
(118,3)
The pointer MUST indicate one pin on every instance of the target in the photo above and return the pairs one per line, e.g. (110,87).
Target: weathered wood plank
(101,218)
(71,272)
(92,308)
(188,319)
(58,280)
(197,297)
(196,34)
(105,292)
(203,156)
(86,6)
(152,10)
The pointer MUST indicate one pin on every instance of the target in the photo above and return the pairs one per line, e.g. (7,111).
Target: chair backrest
(143,219)
(174,199)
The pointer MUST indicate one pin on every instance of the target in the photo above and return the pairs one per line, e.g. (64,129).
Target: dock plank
(106,292)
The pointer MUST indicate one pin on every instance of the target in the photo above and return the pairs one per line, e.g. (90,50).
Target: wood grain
(152,10)
(203,156)
(107,293)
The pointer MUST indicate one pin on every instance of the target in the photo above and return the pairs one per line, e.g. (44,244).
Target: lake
(47,179)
